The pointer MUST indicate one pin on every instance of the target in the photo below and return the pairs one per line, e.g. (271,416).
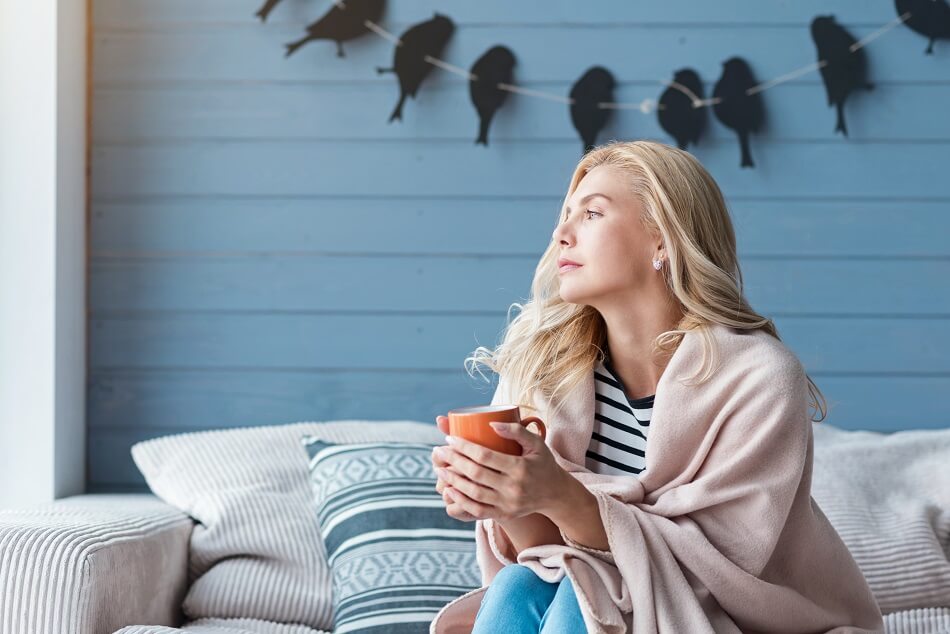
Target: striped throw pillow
(396,557)
(255,551)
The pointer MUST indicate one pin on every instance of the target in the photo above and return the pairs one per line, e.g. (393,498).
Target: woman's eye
(591,211)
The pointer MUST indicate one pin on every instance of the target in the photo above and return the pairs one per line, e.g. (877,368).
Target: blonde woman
(672,491)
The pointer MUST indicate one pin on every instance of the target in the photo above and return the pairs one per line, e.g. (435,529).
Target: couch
(119,562)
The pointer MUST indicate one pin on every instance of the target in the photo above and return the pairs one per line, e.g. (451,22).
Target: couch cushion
(888,496)
(918,621)
(396,556)
(223,626)
(255,551)
(92,563)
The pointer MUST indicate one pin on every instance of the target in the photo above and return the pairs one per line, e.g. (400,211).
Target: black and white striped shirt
(619,440)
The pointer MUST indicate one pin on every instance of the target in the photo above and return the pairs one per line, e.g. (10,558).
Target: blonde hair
(552,345)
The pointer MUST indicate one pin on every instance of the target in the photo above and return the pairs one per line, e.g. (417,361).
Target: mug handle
(540,424)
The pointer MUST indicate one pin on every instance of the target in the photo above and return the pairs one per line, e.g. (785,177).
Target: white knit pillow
(256,551)
(888,496)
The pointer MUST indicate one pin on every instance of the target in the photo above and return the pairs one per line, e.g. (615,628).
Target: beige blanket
(720,532)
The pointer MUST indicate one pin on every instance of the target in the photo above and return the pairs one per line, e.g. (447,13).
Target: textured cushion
(888,496)
(919,621)
(255,552)
(396,556)
(88,564)
(223,626)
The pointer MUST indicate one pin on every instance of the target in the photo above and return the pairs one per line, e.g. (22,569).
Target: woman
(704,523)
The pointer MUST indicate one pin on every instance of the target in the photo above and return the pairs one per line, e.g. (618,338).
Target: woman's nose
(562,234)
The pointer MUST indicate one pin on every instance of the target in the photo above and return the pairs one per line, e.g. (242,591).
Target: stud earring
(657,264)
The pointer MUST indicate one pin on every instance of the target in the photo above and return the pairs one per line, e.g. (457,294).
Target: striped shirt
(619,440)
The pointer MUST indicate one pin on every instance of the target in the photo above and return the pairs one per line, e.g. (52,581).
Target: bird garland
(736,105)
(681,109)
(344,21)
(930,18)
(595,86)
(417,44)
(843,67)
(493,68)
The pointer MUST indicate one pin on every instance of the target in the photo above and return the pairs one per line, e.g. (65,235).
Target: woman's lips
(568,267)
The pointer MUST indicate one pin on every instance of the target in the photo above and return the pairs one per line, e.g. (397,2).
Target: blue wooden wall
(265,248)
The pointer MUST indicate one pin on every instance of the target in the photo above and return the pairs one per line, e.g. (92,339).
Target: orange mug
(471,423)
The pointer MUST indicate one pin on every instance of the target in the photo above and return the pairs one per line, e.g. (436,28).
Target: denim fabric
(519,602)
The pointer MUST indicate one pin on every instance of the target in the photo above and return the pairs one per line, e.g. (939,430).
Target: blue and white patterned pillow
(395,555)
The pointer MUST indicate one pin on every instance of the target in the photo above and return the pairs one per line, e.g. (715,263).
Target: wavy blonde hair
(552,345)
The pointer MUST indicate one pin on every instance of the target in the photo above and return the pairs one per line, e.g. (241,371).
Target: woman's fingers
(456,511)
(469,469)
(470,489)
(441,465)
(452,508)
(468,505)
(443,424)
(438,458)
(442,483)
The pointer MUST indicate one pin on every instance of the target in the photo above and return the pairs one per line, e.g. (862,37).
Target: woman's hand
(479,483)
(451,507)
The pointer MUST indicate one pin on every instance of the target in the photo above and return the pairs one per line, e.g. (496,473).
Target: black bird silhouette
(595,86)
(737,109)
(409,63)
(930,18)
(677,115)
(493,68)
(344,21)
(845,70)
(265,10)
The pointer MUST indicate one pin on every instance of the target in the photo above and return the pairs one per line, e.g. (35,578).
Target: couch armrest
(90,564)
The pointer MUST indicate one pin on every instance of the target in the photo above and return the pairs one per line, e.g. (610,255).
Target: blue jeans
(518,601)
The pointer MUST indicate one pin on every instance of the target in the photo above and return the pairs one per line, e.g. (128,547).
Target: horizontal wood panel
(248,51)
(218,399)
(443,226)
(483,283)
(108,13)
(134,407)
(221,399)
(800,111)
(260,341)
(266,248)
(289,340)
(837,169)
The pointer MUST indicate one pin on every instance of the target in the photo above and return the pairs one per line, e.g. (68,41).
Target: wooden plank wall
(266,248)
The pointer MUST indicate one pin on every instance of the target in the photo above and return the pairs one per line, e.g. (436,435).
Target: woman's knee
(564,614)
(565,591)
(517,598)
(517,576)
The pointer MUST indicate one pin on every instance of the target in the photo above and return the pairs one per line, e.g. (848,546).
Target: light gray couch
(102,563)
(90,564)
(120,563)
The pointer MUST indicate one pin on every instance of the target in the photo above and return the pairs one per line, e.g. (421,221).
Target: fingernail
(451,440)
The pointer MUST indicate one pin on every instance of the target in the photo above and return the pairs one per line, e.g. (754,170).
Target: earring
(657,264)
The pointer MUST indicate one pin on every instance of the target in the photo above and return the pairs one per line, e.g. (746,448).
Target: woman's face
(603,235)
